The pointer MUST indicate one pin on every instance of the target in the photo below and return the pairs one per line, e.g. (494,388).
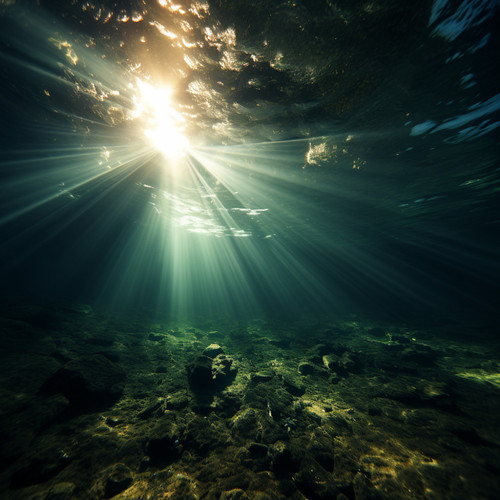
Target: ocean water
(249,249)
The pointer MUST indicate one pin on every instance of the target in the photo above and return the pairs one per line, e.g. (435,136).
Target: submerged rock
(119,479)
(200,374)
(286,458)
(314,481)
(234,494)
(320,447)
(223,371)
(213,350)
(262,376)
(40,469)
(206,375)
(87,382)
(307,368)
(61,491)
(363,488)
(293,386)
(348,362)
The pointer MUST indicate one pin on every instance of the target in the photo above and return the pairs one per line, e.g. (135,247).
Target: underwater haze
(249,249)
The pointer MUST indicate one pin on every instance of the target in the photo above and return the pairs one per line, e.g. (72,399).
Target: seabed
(101,406)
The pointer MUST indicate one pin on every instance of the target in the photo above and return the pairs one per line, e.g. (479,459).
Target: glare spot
(163,125)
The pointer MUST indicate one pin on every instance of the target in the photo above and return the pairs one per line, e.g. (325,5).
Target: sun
(163,125)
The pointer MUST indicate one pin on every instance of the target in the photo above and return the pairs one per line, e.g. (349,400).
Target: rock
(151,409)
(203,436)
(348,362)
(213,350)
(163,450)
(437,393)
(416,354)
(61,491)
(399,338)
(282,344)
(258,426)
(223,371)
(51,409)
(286,458)
(177,401)
(200,374)
(363,488)
(293,386)
(320,448)
(40,469)
(234,494)
(319,350)
(257,450)
(144,464)
(331,361)
(246,423)
(307,368)
(377,332)
(87,382)
(262,376)
(155,337)
(119,479)
(227,404)
(314,482)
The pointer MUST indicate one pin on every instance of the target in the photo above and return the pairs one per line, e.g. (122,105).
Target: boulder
(61,491)
(87,382)
(118,480)
(200,374)
(40,469)
(213,350)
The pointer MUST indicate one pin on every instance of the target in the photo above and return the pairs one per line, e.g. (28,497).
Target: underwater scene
(249,249)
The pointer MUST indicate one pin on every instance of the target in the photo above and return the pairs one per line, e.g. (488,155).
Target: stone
(331,361)
(257,450)
(200,374)
(40,469)
(202,436)
(118,480)
(155,337)
(321,448)
(177,401)
(234,494)
(281,344)
(293,386)
(363,488)
(223,371)
(416,354)
(313,481)
(144,464)
(262,376)
(61,491)
(151,409)
(87,382)
(246,423)
(213,350)
(307,368)
(286,458)
(163,450)
(348,362)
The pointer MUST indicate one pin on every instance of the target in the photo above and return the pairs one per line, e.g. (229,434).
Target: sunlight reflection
(164,124)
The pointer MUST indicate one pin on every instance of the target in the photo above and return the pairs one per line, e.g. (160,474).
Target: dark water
(249,249)
(343,156)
